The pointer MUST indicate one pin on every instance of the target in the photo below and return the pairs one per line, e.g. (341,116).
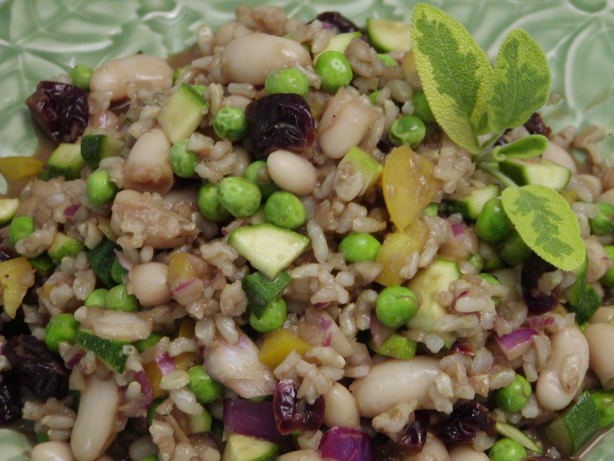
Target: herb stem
(493,170)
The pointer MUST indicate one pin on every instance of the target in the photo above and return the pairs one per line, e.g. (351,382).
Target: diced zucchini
(42,264)
(243,448)
(63,246)
(389,35)
(101,259)
(582,298)
(109,351)
(572,430)
(357,160)
(517,435)
(8,208)
(182,113)
(261,290)
(428,283)
(398,347)
(338,42)
(21,227)
(200,423)
(66,161)
(268,248)
(471,206)
(95,147)
(537,171)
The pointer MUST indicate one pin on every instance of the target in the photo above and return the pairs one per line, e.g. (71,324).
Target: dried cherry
(60,110)
(412,442)
(536,301)
(294,414)
(536,125)
(279,121)
(465,422)
(10,401)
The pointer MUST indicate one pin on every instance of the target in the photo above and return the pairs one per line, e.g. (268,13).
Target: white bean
(149,283)
(464,453)
(148,167)
(560,156)
(345,122)
(95,425)
(52,451)
(301,455)
(394,381)
(340,407)
(250,58)
(600,337)
(123,76)
(564,372)
(607,196)
(291,172)
(118,325)
(598,261)
(433,450)
(605,314)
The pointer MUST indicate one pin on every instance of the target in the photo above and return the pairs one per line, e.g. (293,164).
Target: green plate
(43,38)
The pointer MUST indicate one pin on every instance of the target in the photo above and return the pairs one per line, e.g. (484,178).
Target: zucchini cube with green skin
(536,171)
(339,43)
(243,448)
(66,161)
(109,351)
(471,206)
(8,208)
(260,290)
(95,147)
(268,248)
(63,246)
(182,113)
(357,161)
(397,347)
(428,283)
(389,35)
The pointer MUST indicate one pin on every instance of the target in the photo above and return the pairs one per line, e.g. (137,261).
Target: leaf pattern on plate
(43,38)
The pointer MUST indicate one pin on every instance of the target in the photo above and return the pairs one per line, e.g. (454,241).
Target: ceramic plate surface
(40,39)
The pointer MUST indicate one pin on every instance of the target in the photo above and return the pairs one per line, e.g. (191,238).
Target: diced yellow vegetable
(186,329)
(278,344)
(395,251)
(16,276)
(185,360)
(20,168)
(408,185)
(154,376)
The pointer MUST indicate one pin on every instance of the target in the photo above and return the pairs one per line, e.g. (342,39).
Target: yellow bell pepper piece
(16,276)
(154,376)
(20,168)
(395,250)
(408,185)
(277,345)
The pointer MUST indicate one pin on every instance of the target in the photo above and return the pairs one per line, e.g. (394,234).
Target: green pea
(118,299)
(507,450)
(407,129)
(202,386)
(604,401)
(97,297)
(273,317)
(334,70)
(143,344)
(387,60)
(513,250)
(492,224)
(239,196)
(20,228)
(183,161)
(230,123)
(373,97)
(80,76)
(394,306)
(99,187)
(421,107)
(257,173)
(288,80)
(359,246)
(285,210)
(608,278)
(514,396)
(208,202)
(61,328)
(603,223)
(117,271)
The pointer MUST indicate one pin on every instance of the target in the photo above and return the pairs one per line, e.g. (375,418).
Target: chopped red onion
(182,287)
(516,343)
(165,363)
(71,210)
(458,229)
(254,419)
(346,444)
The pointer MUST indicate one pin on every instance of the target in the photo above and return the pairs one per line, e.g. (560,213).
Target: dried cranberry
(384,145)
(413,440)
(60,110)
(6,253)
(279,121)
(536,125)
(36,367)
(294,414)
(337,21)
(13,327)
(465,422)
(10,402)
(536,301)
(462,347)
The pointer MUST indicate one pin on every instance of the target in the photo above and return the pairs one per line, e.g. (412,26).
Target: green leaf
(544,220)
(521,80)
(454,72)
(527,147)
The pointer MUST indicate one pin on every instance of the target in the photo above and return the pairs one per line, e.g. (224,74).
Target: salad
(308,241)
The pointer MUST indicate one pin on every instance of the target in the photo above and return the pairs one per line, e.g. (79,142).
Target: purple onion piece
(251,418)
(294,414)
(346,444)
